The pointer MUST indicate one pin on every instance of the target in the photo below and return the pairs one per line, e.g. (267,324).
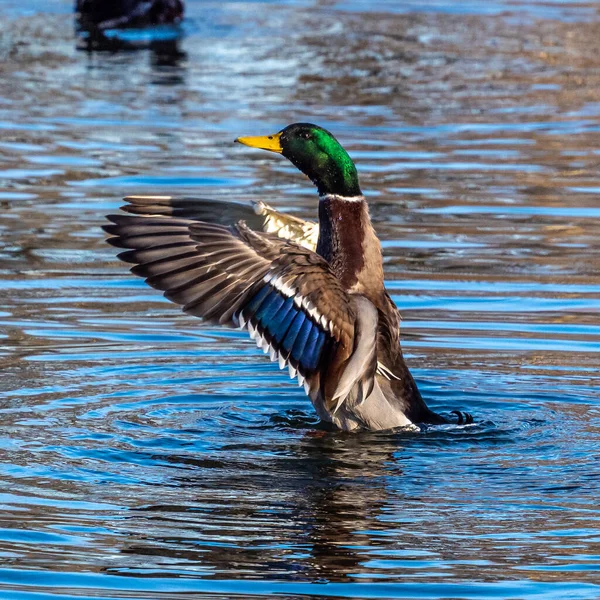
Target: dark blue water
(145,455)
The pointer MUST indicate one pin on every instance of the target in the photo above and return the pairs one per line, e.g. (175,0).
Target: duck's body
(323,311)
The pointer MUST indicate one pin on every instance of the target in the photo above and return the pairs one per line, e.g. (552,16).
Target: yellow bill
(265,142)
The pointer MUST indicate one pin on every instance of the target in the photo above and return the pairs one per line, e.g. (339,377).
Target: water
(144,455)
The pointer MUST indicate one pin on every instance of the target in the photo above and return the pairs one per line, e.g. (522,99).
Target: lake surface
(145,455)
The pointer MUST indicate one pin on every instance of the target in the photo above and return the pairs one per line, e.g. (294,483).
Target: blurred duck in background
(97,20)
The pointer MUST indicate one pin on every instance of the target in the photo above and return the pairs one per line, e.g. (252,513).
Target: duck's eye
(305,135)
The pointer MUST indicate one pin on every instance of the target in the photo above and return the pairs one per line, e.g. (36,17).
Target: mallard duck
(311,295)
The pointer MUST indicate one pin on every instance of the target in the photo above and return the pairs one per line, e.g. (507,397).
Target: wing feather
(259,216)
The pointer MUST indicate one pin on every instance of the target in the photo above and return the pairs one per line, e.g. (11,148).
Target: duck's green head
(316,153)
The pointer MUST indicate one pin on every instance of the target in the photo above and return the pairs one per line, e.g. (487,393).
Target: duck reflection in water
(342,500)
(309,515)
(96,18)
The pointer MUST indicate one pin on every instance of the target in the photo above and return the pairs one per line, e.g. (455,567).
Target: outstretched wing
(258,216)
(285,295)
